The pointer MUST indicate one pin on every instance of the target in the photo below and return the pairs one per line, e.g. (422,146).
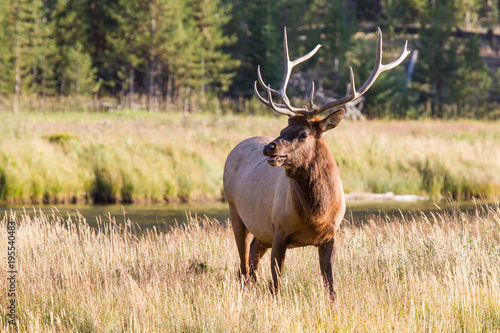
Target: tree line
(158,53)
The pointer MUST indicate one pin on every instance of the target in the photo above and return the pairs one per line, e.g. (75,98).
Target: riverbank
(164,216)
(137,156)
(438,273)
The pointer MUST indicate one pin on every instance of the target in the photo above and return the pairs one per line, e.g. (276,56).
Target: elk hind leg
(257,251)
(242,237)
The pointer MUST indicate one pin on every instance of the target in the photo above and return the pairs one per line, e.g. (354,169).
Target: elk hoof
(274,288)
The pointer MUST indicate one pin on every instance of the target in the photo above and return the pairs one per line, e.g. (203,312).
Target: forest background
(203,54)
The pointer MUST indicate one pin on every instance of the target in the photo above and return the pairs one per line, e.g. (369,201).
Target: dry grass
(418,274)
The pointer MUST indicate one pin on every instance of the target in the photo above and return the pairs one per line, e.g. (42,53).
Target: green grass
(155,157)
(412,274)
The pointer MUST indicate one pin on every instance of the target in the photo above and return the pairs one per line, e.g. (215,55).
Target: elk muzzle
(275,159)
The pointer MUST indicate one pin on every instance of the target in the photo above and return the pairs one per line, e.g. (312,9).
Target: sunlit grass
(457,158)
(141,156)
(414,274)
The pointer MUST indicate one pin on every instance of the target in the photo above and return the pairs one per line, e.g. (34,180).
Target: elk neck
(316,186)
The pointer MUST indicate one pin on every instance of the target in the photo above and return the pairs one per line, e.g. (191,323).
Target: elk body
(296,198)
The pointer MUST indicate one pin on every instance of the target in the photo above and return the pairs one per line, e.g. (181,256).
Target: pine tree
(99,22)
(216,67)
(80,76)
(75,70)
(44,52)
(339,32)
(448,67)
(127,43)
(34,47)
(7,55)
(171,41)
(259,43)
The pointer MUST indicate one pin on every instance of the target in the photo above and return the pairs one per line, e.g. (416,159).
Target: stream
(162,215)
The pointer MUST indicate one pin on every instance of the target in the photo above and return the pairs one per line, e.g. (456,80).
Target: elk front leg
(326,253)
(277,259)
(257,251)
(242,237)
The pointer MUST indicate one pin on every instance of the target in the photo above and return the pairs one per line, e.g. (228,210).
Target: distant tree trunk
(377,8)
(34,72)
(438,90)
(17,88)
(349,11)
(131,86)
(17,85)
(151,95)
(61,86)
(186,101)
(152,60)
(168,97)
(203,76)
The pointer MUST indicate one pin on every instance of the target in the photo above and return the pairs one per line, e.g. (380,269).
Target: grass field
(419,274)
(155,157)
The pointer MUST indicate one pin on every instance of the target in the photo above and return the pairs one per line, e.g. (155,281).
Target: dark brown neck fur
(315,188)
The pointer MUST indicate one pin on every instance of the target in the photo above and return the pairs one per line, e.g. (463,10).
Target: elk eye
(302,136)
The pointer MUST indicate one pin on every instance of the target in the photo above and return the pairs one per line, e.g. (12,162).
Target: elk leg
(326,253)
(242,237)
(257,251)
(277,259)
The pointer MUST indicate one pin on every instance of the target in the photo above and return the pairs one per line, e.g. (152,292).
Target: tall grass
(140,156)
(407,274)
(456,158)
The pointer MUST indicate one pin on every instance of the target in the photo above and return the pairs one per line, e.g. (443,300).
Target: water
(145,215)
(162,215)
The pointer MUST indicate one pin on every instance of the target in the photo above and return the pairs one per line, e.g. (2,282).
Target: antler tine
(276,93)
(289,65)
(281,93)
(311,97)
(278,108)
(333,104)
(378,69)
(263,84)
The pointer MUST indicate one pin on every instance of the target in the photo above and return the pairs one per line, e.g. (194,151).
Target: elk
(296,198)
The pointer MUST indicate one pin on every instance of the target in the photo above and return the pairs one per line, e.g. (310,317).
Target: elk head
(299,141)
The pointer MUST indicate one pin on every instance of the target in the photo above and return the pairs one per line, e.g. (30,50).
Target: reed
(155,157)
(437,273)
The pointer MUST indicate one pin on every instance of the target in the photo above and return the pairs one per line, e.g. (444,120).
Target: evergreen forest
(202,55)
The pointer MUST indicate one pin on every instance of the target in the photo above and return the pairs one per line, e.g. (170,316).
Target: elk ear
(331,121)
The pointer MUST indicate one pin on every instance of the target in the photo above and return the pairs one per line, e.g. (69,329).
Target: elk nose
(269,149)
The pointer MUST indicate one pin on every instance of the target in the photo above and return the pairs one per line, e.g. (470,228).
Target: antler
(315,110)
(287,109)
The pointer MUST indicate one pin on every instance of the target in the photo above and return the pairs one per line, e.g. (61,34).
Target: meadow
(436,273)
(137,156)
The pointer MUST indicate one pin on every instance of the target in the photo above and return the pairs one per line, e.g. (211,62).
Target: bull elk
(301,203)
